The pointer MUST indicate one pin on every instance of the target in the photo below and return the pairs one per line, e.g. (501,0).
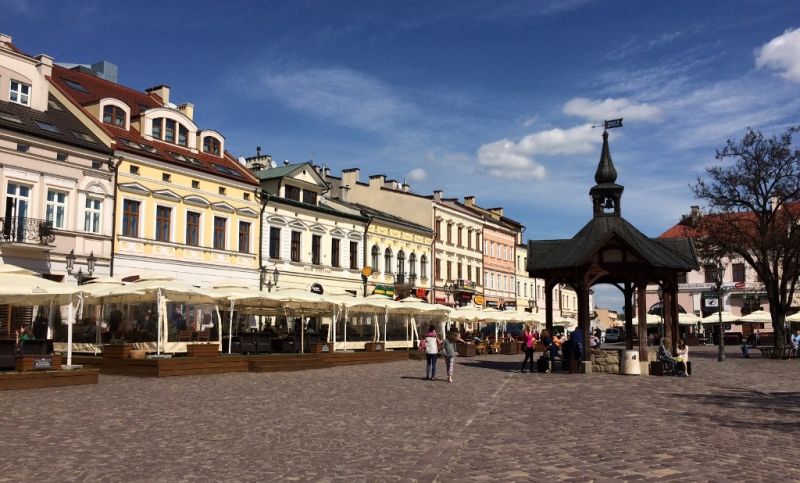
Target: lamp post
(532,305)
(269,278)
(79,275)
(719,274)
(449,289)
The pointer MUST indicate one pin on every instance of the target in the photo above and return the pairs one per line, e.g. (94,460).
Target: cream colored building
(458,254)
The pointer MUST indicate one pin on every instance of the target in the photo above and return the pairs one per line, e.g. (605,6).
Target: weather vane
(610,124)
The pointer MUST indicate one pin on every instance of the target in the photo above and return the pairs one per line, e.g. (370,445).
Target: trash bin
(629,363)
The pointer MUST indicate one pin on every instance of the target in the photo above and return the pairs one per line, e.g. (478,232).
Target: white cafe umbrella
(238,292)
(301,300)
(759,316)
(714,318)
(793,318)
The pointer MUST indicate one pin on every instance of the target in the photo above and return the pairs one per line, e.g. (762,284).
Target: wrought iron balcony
(403,279)
(465,284)
(15,229)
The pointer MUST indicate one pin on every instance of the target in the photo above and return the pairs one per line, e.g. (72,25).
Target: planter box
(466,349)
(117,351)
(373,347)
(38,363)
(692,340)
(509,348)
(139,354)
(202,350)
(320,348)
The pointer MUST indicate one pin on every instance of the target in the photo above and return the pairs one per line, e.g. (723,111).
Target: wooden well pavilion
(608,249)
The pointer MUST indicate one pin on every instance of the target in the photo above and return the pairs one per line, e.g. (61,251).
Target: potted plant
(117,348)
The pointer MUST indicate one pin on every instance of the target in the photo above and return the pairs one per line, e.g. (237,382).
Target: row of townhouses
(101,179)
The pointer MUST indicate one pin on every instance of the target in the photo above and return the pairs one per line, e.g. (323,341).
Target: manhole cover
(217,436)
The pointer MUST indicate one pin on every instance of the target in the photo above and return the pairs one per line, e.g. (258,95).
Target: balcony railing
(15,229)
(403,278)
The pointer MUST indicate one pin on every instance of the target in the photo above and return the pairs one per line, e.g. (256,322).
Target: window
(57,208)
(469,272)
(387,260)
(211,145)
(423,266)
(222,190)
(438,269)
(376,252)
(192,228)
(114,115)
(459,271)
(469,239)
(163,218)
(316,241)
(247,196)
(244,237)
(309,197)
(183,135)
(156,131)
(353,255)
(449,270)
(23,148)
(48,127)
(295,246)
(710,271)
(401,263)
(130,218)
(134,169)
(220,224)
(486,248)
(439,230)
(449,233)
(292,193)
(61,156)
(91,215)
(682,277)
(166,177)
(19,93)
(195,184)
(169,130)
(335,243)
(477,273)
(412,265)
(460,241)
(274,242)
(96,164)
(738,272)
(477,240)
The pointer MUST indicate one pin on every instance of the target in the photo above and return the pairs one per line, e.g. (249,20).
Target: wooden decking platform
(40,379)
(187,366)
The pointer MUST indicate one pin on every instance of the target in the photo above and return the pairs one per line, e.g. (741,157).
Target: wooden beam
(642,314)
(666,312)
(628,293)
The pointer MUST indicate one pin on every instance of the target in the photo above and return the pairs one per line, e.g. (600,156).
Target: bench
(769,352)
(662,368)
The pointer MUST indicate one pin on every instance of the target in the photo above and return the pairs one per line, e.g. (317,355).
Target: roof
(677,254)
(93,89)
(280,171)
(319,208)
(373,213)
(55,124)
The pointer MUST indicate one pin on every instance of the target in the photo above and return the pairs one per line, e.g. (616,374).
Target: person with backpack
(431,344)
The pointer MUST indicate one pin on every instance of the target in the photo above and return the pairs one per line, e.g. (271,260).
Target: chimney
(469,200)
(4,39)
(161,91)
(343,192)
(350,176)
(437,195)
(45,65)
(259,161)
(187,108)
(496,211)
(377,181)
(406,188)
(391,184)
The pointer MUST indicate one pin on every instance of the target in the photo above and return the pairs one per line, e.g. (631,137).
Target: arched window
(401,263)
(114,115)
(376,252)
(412,265)
(423,266)
(211,145)
(387,260)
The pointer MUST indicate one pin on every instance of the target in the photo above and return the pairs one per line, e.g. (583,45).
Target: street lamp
(719,273)
(79,275)
(532,305)
(269,279)
(449,289)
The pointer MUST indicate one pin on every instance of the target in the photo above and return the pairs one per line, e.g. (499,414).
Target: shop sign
(366,271)
(492,304)
(479,300)
(384,290)
(43,363)
(421,293)
(317,289)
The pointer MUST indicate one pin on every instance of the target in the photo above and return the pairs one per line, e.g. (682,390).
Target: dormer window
(292,193)
(20,93)
(156,131)
(114,115)
(309,197)
(211,145)
(183,136)
(169,131)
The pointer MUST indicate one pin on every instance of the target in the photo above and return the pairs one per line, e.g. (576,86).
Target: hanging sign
(317,289)
(612,123)
(478,300)
(366,271)
(421,293)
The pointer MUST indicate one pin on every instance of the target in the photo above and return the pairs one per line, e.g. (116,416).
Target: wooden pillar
(673,307)
(666,312)
(548,306)
(583,317)
(642,315)
(628,293)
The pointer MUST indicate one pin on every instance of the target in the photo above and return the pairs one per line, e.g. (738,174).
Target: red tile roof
(686,228)
(96,89)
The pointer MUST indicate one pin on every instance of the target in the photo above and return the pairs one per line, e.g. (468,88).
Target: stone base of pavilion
(35,379)
(219,364)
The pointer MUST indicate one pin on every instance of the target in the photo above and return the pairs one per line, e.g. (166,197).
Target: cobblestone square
(737,420)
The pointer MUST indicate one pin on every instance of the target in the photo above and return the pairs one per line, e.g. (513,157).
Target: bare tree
(754,213)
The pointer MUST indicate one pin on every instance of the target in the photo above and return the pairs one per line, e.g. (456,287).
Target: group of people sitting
(572,347)
(678,363)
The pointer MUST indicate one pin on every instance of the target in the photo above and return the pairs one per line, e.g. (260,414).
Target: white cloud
(339,95)
(610,108)
(508,159)
(782,54)
(417,174)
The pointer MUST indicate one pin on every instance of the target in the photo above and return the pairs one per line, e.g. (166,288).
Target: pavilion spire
(606,173)
(606,193)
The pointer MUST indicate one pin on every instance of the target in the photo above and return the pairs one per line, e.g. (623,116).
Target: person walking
(549,347)
(432,343)
(450,352)
(528,341)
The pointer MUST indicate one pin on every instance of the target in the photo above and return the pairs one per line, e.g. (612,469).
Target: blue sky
(485,98)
